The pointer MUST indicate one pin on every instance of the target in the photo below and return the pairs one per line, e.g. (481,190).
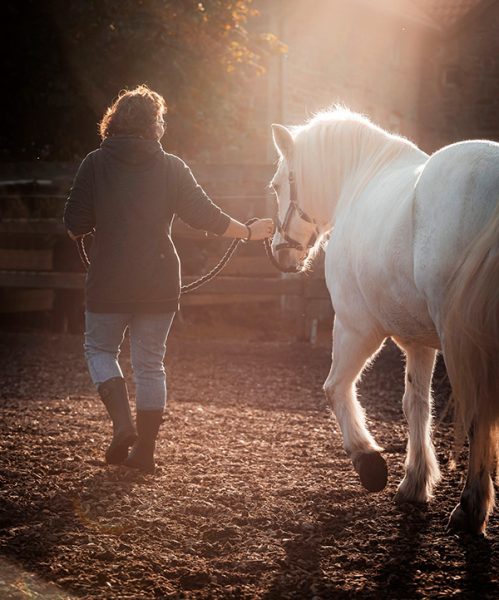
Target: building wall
(350,53)
(460,82)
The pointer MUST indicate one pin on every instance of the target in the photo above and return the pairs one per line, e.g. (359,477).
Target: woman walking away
(127,192)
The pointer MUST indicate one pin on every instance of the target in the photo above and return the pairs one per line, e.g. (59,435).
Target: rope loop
(190,287)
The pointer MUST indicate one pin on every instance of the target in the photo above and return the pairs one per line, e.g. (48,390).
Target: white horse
(413,255)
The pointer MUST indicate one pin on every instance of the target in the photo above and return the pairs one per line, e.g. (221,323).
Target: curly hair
(134,112)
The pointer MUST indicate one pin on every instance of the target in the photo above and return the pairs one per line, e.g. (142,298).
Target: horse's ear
(283,140)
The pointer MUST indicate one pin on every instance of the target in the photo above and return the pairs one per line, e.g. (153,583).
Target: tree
(75,55)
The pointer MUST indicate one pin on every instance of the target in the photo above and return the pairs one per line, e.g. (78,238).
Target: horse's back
(456,195)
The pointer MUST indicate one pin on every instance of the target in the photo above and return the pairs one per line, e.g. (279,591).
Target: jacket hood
(131,150)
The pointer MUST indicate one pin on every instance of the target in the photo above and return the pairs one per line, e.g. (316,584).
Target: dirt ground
(254,495)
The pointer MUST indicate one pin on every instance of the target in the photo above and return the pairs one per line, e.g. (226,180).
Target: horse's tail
(471,341)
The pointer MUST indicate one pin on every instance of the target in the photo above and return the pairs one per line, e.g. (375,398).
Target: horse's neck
(362,171)
(334,171)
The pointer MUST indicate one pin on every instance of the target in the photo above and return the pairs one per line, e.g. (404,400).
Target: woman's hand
(261,229)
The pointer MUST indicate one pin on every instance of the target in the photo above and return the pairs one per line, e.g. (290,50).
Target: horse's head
(296,231)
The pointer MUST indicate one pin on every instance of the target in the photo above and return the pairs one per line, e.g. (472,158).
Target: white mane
(336,153)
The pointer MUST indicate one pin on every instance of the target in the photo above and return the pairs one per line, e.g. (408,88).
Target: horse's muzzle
(287,259)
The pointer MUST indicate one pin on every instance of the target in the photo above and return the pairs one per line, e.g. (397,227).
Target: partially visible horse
(413,255)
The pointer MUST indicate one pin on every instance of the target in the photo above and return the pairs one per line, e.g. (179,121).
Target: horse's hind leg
(477,498)
(421,466)
(351,351)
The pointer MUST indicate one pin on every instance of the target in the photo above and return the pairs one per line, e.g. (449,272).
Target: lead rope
(190,287)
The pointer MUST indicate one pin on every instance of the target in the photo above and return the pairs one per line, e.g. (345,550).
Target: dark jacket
(129,191)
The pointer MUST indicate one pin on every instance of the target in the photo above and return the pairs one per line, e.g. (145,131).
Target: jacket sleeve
(193,205)
(79,213)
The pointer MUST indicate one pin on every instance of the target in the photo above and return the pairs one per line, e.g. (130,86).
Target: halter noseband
(292,209)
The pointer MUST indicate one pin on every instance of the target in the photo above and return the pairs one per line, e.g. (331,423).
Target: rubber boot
(114,394)
(142,454)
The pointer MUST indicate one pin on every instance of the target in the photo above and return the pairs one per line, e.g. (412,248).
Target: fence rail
(267,286)
(234,290)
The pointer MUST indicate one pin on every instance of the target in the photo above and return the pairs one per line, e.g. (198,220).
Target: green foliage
(200,55)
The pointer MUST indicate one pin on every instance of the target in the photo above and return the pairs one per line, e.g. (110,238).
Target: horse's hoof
(409,492)
(460,522)
(372,470)
(457,520)
(402,499)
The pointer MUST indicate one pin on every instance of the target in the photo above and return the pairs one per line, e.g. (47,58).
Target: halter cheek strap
(293,209)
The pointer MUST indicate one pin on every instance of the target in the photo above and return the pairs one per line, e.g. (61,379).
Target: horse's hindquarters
(457,268)
(455,197)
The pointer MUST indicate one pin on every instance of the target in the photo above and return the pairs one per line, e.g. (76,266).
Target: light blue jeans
(104,334)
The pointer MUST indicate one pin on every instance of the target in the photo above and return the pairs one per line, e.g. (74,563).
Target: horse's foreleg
(421,466)
(477,498)
(351,351)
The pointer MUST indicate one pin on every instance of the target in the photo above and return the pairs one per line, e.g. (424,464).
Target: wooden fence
(40,269)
